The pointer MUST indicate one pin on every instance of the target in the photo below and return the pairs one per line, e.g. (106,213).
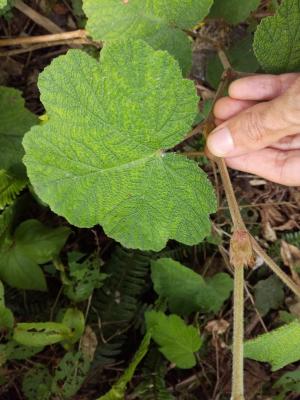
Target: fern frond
(10,187)
(117,302)
(292,238)
(153,386)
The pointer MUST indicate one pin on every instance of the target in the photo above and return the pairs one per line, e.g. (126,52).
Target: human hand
(259,127)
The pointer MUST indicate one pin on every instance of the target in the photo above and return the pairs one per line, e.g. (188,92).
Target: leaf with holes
(101,158)
(159,22)
(277,39)
(37,383)
(39,334)
(69,375)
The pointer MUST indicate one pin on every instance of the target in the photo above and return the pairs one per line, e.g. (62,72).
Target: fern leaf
(117,302)
(10,187)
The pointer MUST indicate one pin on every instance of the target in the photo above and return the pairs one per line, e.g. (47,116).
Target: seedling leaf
(178,342)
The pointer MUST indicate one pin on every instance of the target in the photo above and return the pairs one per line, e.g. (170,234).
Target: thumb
(259,126)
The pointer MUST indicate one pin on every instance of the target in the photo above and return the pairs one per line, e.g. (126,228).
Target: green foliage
(15,121)
(277,39)
(288,382)
(118,390)
(269,294)
(16,351)
(233,11)
(36,383)
(153,385)
(279,347)
(74,319)
(69,375)
(186,291)
(158,22)
(6,316)
(10,186)
(177,341)
(112,152)
(83,277)
(241,57)
(32,244)
(3,3)
(37,334)
(117,301)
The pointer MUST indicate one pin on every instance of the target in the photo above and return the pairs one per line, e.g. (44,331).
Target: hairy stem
(237,392)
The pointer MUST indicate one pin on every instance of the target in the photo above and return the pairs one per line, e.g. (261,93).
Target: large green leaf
(101,157)
(279,347)
(233,11)
(178,342)
(3,3)
(277,39)
(15,121)
(186,291)
(33,244)
(159,22)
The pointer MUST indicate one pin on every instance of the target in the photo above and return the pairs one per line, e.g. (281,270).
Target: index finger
(261,87)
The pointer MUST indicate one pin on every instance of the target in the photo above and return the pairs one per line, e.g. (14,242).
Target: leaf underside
(158,22)
(100,159)
(277,39)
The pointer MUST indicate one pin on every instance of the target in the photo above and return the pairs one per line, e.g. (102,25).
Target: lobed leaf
(178,342)
(158,22)
(101,157)
(279,347)
(277,39)
(186,291)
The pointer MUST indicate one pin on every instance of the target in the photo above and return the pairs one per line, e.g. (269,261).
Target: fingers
(288,143)
(227,107)
(275,165)
(261,87)
(258,126)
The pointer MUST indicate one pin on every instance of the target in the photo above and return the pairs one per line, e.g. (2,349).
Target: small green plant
(110,151)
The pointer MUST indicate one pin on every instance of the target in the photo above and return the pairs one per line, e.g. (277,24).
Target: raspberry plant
(107,152)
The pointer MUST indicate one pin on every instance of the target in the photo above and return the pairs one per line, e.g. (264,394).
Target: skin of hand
(258,127)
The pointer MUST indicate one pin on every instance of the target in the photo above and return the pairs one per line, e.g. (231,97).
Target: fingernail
(220,142)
